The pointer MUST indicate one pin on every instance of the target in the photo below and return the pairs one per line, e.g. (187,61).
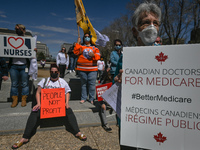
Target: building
(42,47)
(66,45)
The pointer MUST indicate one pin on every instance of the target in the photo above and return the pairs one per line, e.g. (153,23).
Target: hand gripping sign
(52,103)
(100,89)
(17,46)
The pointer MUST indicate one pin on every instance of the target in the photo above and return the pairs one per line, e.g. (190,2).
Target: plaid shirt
(3,67)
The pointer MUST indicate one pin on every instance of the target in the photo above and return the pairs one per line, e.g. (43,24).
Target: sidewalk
(13,121)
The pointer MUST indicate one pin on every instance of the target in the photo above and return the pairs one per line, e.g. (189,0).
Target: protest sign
(52,103)
(113,97)
(160,97)
(100,89)
(17,46)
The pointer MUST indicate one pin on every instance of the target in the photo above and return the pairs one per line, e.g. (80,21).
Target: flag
(84,22)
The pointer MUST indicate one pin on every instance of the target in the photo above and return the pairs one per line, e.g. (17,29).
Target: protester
(115,55)
(146,21)
(101,67)
(3,70)
(62,61)
(18,68)
(105,78)
(32,123)
(88,54)
(42,62)
(73,58)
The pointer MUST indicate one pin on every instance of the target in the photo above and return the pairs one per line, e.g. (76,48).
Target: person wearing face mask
(34,119)
(101,67)
(88,54)
(62,60)
(115,55)
(146,21)
(19,71)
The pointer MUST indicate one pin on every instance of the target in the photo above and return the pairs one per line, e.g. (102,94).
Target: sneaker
(107,128)
(73,70)
(70,71)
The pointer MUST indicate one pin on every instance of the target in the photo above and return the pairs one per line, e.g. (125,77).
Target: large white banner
(161,97)
(17,46)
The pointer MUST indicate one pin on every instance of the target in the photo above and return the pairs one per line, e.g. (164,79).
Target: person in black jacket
(73,58)
(3,70)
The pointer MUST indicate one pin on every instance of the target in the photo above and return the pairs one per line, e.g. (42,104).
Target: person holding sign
(33,121)
(146,21)
(88,55)
(19,69)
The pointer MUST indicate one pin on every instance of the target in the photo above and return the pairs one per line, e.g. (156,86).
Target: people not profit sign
(160,97)
(52,103)
(17,46)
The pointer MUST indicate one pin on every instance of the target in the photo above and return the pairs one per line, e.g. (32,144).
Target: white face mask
(148,35)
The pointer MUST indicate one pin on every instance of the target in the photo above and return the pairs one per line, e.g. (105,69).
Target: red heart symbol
(19,38)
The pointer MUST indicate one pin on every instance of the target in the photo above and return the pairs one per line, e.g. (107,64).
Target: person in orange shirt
(88,54)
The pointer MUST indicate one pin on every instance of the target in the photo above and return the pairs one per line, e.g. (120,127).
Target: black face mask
(54,75)
(19,32)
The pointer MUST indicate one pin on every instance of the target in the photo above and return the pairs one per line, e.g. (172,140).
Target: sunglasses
(53,71)
(118,45)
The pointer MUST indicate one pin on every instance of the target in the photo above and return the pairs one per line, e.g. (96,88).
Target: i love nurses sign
(161,97)
(17,46)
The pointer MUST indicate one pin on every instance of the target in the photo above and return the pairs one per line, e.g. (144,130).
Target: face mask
(118,47)
(87,39)
(54,75)
(19,32)
(148,35)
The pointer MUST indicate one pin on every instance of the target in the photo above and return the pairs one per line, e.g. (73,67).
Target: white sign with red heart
(17,46)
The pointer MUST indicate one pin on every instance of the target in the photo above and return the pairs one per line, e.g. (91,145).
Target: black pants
(34,121)
(62,70)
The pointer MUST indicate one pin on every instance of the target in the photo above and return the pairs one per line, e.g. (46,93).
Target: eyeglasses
(149,22)
(53,71)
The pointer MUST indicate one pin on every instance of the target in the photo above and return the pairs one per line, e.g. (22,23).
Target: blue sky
(54,21)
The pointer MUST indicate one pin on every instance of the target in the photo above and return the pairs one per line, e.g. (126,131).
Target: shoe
(107,128)
(81,137)
(18,144)
(73,70)
(15,101)
(70,71)
(92,102)
(82,101)
(24,97)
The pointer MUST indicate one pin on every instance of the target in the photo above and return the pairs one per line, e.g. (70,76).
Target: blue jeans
(88,79)
(72,63)
(17,73)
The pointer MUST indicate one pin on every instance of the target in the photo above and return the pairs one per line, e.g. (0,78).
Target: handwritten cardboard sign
(100,89)
(52,103)
(17,46)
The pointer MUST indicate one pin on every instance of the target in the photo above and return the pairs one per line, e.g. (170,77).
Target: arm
(77,49)
(67,100)
(67,62)
(96,55)
(112,59)
(58,60)
(38,94)
(4,70)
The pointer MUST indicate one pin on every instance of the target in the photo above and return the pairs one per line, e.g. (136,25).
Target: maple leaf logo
(161,57)
(160,138)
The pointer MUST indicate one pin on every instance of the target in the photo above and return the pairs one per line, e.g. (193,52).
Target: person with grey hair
(146,21)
